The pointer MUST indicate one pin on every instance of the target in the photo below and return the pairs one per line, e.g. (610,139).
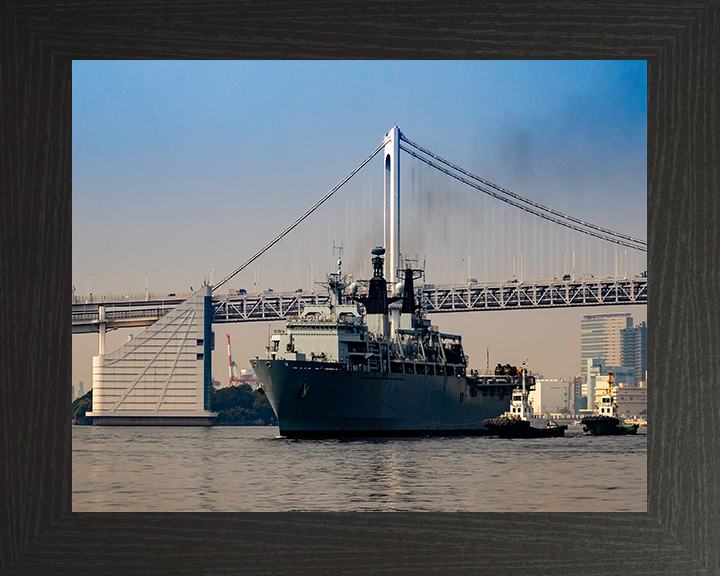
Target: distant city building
(593,369)
(576,385)
(634,349)
(580,403)
(81,390)
(550,395)
(622,375)
(601,338)
(72,393)
(631,400)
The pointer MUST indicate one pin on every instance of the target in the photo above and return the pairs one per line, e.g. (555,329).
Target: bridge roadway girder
(450,298)
(556,294)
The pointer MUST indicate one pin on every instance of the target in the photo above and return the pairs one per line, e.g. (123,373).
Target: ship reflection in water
(252,469)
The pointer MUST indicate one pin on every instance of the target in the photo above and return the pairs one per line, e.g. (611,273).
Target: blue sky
(180,167)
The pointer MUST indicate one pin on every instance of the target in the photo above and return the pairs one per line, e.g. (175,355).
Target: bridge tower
(102,326)
(391,228)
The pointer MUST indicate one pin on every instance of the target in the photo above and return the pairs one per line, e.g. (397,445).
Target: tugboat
(608,422)
(520,421)
(343,369)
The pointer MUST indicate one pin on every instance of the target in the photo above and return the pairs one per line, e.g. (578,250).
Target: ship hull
(607,426)
(511,428)
(316,399)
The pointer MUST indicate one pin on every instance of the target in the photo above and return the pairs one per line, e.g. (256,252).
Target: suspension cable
(525,200)
(294,224)
(521,207)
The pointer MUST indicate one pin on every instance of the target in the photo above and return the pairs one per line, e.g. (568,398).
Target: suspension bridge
(457,222)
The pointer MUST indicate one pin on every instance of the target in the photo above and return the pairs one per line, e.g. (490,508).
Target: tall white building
(162,376)
(601,338)
(634,349)
(550,395)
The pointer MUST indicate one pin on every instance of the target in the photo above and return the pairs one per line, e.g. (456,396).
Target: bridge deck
(436,299)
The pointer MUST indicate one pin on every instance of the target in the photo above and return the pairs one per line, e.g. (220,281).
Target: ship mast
(612,400)
(335,282)
(525,409)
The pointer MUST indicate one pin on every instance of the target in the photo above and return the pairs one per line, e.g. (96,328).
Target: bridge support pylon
(102,326)
(391,228)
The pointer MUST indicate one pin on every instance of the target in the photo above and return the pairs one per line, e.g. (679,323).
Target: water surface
(251,469)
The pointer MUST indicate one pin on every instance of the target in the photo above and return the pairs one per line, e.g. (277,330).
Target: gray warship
(348,369)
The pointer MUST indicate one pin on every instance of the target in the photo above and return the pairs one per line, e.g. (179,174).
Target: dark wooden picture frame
(680,532)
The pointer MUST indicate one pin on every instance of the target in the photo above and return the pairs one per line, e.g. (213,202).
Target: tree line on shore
(236,406)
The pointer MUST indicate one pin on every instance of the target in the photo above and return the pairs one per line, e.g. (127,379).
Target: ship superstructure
(348,368)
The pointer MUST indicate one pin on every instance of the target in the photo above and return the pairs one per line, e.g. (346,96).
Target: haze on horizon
(184,167)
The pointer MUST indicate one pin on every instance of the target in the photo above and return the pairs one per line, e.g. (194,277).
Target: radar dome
(353,288)
(399,288)
(378,251)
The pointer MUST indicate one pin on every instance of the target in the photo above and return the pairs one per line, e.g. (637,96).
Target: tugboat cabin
(606,406)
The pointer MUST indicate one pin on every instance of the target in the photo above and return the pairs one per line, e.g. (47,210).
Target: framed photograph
(676,533)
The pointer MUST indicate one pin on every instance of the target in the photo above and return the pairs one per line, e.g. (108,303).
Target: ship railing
(334,320)
(474,372)
(311,318)
(136,296)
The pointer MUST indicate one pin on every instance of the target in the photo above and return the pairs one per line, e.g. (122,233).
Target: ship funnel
(408,293)
(377,301)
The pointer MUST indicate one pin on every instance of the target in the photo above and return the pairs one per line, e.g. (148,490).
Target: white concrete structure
(550,395)
(162,376)
(391,229)
(631,400)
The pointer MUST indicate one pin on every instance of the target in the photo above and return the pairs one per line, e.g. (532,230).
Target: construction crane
(239,377)
(232,367)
